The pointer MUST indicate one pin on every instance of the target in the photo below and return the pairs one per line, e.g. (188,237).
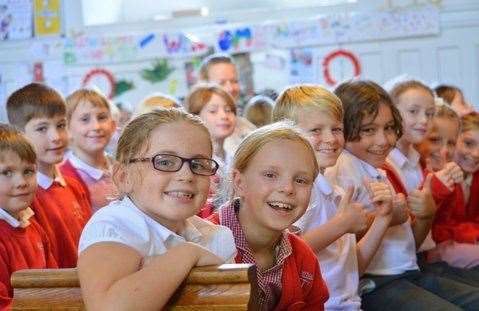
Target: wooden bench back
(225,287)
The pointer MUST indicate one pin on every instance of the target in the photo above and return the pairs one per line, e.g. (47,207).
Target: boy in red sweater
(273,173)
(61,204)
(23,243)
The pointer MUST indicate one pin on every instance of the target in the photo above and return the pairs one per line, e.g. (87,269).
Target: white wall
(452,56)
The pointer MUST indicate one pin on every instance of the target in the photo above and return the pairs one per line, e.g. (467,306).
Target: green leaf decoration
(122,86)
(160,71)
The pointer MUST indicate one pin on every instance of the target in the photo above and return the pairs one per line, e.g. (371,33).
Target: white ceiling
(132,11)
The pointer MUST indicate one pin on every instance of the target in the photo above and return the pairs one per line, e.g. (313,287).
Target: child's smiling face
(169,197)
(377,136)
(17,183)
(324,133)
(91,128)
(417,110)
(438,146)
(467,151)
(275,187)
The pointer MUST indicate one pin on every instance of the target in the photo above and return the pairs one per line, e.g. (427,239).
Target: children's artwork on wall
(340,53)
(240,39)
(160,71)
(102,79)
(85,49)
(301,66)
(123,86)
(15,19)
(47,17)
(328,29)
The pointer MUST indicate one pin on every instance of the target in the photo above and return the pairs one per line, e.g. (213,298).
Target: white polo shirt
(397,252)
(409,170)
(122,222)
(338,261)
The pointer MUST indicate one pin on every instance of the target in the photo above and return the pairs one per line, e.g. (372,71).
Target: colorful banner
(47,17)
(322,30)
(329,29)
(98,49)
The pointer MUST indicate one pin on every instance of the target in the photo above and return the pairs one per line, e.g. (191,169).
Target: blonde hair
(402,87)
(445,111)
(157,100)
(85,95)
(470,122)
(201,94)
(304,96)
(136,135)
(253,143)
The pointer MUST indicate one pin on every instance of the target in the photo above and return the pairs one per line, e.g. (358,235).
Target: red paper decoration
(101,72)
(339,53)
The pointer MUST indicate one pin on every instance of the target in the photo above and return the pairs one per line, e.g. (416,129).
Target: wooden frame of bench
(225,287)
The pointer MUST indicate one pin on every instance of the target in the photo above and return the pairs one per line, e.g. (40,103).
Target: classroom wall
(448,57)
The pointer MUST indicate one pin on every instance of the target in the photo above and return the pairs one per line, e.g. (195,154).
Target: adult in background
(220,69)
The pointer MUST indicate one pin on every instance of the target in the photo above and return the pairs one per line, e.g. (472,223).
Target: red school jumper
(63,211)
(21,248)
(456,219)
(67,169)
(303,287)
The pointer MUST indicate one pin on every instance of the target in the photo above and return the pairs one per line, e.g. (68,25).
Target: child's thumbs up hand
(379,193)
(421,202)
(450,174)
(352,215)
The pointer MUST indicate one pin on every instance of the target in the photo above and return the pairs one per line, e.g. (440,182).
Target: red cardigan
(21,248)
(456,219)
(303,287)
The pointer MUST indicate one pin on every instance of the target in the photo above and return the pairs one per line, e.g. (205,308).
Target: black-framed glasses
(173,163)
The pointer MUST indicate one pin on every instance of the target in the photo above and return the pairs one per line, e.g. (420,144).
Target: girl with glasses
(130,246)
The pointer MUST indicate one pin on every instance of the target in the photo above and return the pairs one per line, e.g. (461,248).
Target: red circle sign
(339,53)
(101,72)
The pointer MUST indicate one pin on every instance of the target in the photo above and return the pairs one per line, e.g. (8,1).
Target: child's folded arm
(108,284)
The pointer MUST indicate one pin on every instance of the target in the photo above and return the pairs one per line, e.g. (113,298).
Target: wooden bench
(225,287)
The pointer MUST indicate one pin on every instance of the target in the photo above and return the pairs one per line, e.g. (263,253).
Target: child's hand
(205,257)
(379,193)
(400,211)
(450,175)
(353,215)
(421,202)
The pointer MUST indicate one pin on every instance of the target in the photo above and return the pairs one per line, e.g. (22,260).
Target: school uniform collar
(45,181)
(374,173)
(189,233)
(322,184)
(229,217)
(402,160)
(23,222)
(81,165)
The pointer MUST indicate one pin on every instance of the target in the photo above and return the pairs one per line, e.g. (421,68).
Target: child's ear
(121,178)
(238,183)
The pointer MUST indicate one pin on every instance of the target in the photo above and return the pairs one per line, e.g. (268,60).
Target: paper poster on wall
(15,19)
(301,66)
(237,39)
(87,49)
(47,17)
